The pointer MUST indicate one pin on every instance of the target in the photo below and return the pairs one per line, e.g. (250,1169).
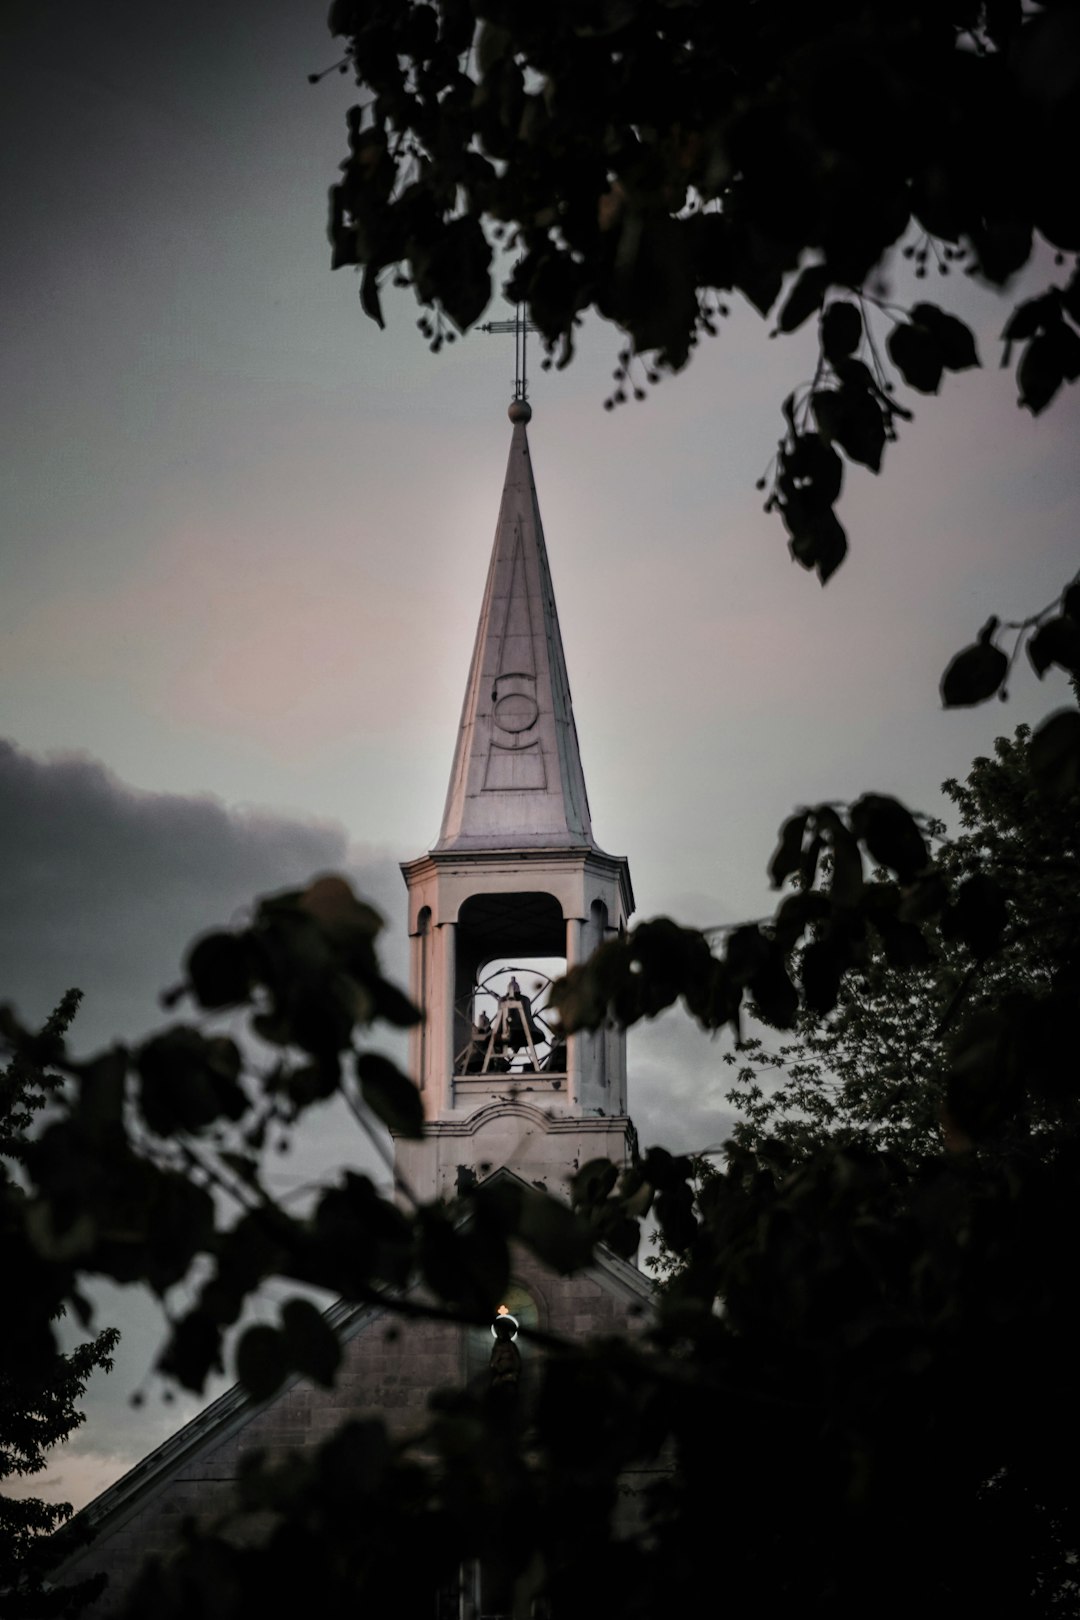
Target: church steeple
(517,781)
(514,891)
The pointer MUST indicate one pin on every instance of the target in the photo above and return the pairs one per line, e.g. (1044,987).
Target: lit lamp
(504,1311)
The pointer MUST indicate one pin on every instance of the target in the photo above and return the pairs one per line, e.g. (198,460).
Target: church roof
(517,781)
(114,1507)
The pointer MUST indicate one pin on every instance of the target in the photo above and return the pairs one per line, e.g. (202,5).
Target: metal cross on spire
(521,327)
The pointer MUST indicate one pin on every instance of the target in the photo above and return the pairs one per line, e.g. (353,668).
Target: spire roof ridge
(517,780)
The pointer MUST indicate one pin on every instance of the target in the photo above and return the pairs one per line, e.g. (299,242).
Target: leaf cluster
(879,1070)
(40,1387)
(859,1339)
(981,671)
(849,1408)
(152,1166)
(648,161)
(881,954)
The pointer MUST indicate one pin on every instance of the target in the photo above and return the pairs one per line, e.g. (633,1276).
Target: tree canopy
(649,160)
(40,1388)
(864,1361)
(874,1072)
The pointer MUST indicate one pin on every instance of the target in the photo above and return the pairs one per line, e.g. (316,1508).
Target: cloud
(677,1084)
(103,887)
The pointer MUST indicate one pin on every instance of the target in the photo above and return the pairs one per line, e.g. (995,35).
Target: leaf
(343,236)
(1069,352)
(219,969)
(974,675)
(788,852)
(795,914)
(1056,642)
(804,298)
(917,354)
(187,1082)
(553,1232)
(1070,296)
(821,970)
(808,867)
(244,1165)
(788,409)
(102,1081)
(1030,317)
(754,267)
(747,952)
(390,1095)
(1041,371)
(452,269)
(841,330)
(846,882)
(855,374)
(811,471)
(986,1072)
(955,340)
(904,944)
(391,1005)
(664,1170)
(1054,754)
(72,1241)
(343,918)
(262,1364)
(774,993)
(1002,247)
(891,834)
(311,1344)
(817,542)
(977,916)
(311,1082)
(492,45)
(370,302)
(192,1351)
(674,1211)
(711,238)
(636,1193)
(593,1182)
(852,418)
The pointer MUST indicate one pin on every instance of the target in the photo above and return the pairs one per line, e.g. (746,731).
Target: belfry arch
(509,949)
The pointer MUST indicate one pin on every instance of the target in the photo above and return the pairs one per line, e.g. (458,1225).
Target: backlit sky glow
(245,537)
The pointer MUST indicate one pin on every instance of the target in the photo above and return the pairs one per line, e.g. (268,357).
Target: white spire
(517,780)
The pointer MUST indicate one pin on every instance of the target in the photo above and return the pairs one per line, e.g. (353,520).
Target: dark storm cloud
(103,887)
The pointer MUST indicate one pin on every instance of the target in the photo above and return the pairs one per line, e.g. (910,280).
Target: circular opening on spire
(517,711)
(519,411)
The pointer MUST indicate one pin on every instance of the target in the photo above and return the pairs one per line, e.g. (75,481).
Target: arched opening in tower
(510,949)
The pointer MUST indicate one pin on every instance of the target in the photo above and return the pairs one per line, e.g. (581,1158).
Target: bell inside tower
(510,947)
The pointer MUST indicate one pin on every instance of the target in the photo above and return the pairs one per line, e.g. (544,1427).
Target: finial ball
(520,411)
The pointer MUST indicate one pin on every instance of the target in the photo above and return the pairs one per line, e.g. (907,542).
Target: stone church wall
(389,1367)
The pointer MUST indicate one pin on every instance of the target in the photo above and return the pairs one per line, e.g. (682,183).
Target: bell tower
(515,891)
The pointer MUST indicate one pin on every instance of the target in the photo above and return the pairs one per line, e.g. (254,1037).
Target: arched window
(510,947)
(479,1341)
(422,981)
(598,928)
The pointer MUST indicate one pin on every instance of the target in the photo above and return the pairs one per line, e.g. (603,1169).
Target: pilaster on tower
(514,891)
